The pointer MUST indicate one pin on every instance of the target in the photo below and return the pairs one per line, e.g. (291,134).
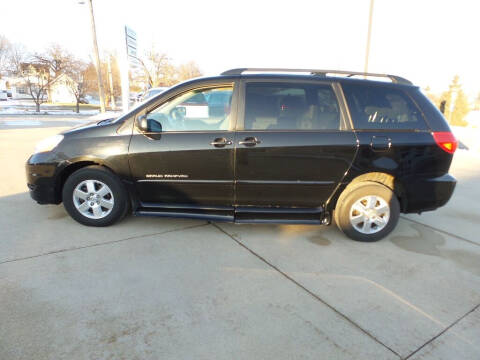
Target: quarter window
(381,107)
(274,106)
(206,109)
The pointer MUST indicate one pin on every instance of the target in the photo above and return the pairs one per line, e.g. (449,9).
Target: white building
(61,90)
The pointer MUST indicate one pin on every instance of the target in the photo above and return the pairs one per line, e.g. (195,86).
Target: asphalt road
(151,288)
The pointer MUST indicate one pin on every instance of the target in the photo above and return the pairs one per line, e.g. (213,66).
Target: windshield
(150,93)
(137,105)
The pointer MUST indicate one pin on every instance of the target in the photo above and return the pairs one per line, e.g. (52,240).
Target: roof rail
(395,79)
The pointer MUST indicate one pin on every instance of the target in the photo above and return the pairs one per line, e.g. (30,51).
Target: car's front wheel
(94,196)
(367,211)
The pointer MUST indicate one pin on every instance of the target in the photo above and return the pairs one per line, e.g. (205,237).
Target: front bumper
(426,194)
(42,181)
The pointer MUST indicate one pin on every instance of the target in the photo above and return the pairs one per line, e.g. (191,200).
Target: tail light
(446,141)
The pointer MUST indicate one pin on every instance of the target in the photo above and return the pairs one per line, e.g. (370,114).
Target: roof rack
(395,79)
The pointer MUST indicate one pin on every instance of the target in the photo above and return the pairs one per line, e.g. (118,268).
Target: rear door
(293,145)
(394,137)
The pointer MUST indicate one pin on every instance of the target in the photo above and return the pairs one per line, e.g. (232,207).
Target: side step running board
(278,221)
(277,210)
(172,214)
(241,214)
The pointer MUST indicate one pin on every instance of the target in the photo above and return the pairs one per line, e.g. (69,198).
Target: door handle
(220,142)
(249,141)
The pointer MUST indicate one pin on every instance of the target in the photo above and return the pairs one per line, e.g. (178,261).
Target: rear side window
(378,107)
(277,106)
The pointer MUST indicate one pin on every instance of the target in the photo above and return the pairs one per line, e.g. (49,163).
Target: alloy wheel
(93,199)
(369,214)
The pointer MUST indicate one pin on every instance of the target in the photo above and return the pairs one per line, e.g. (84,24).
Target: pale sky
(426,41)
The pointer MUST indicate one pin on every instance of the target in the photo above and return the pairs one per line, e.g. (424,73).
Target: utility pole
(110,78)
(367,52)
(97,60)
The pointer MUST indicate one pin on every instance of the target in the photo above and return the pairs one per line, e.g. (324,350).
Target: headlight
(48,144)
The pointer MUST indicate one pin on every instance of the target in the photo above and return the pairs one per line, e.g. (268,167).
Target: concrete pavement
(150,288)
(11,122)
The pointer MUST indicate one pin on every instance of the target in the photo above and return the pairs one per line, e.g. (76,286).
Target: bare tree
(38,79)
(158,69)
(77,80)
(17,56)
(40,70)
(57,59)
(188,71)
(5,48)
(91,78)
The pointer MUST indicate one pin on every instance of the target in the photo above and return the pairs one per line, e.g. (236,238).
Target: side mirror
(152,124)
(142,123)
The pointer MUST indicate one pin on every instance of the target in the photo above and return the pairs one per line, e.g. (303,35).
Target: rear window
(379,107)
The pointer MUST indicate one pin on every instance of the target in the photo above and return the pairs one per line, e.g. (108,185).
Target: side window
(206,109)
(379,107)
(276,106)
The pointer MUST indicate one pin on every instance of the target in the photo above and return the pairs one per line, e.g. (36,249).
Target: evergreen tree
(476,105)
(456,103)
(460,109)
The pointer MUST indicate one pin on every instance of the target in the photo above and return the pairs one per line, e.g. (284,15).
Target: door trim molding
(262,182)
(283,182)
(188,181)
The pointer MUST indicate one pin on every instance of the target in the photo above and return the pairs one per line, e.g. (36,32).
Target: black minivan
(259,146)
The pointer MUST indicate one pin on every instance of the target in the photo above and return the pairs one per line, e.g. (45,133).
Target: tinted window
(275,106)
(379,107)
(190,111)
(219,98)
(198,99)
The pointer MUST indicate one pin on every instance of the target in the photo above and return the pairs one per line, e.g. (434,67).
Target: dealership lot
(150,288)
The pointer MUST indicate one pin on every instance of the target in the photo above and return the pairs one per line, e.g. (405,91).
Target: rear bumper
(41,181)
(428,194)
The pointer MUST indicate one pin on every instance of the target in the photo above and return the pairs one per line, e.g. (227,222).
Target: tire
(367,211)
(94,196)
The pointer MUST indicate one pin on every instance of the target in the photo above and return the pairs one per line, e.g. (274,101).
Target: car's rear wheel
(94,196)
(367,211)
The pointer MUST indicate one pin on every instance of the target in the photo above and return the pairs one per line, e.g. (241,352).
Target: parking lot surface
(150,288)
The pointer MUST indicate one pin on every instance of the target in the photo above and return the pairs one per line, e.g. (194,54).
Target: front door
(293,146)
(186,156)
